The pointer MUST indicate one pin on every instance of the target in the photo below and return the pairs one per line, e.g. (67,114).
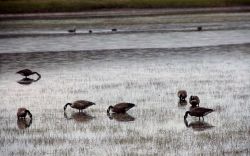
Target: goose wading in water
(120,107)
(28,72)
(23,112)
(194,101)
(199,28)
(182,94)
(79,104)
(72,30)
(198,112)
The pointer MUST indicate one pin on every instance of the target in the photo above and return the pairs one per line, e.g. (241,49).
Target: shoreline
(112,13)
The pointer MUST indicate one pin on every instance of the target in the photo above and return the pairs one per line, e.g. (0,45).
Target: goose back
(82,104)
(200,111)
(25,72)
(122,107)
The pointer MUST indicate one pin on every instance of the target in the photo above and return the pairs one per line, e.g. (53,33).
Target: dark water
(142,68)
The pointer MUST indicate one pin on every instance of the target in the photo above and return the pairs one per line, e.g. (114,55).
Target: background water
(146,67)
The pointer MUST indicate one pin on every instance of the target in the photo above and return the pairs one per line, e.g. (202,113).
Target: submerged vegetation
(28,6)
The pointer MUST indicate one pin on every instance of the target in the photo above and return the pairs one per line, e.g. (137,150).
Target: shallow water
(147,76)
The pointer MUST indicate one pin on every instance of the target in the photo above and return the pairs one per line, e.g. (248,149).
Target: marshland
(145,62)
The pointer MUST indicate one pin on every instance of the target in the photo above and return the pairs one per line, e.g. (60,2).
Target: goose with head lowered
(79,104)
(182,94)
(23,112)
(120,107)
(194,101)
(198,112)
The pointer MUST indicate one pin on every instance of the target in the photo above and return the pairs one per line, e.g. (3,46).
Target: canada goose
(22,123)
(194,100)
(22,112)
(198,112)
(124,117)
(199,28)
(79,104)
(28,72)
(79,117)
(27,81)
(198,125)
(121,107)
(182,94)
(72,30)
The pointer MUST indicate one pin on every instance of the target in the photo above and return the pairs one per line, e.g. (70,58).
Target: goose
(194,101)
(120,107)
(79,104)
(72,30)
(198,112)
(199,28)
(28,72)
(182,94)
(22,113)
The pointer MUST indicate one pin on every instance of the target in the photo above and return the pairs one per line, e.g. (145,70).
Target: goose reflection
(182,103)
(124,117)
(23,123)
(79,117)
(198,125)
(27,81)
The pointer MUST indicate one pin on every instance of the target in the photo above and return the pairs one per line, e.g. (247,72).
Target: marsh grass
(215,74)
(24,6)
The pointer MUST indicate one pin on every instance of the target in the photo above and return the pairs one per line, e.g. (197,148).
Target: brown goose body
(182,94)
(198,112)
(79,104)
(121,107)
(23,123)
(194,101)
(23,112)
(27,72)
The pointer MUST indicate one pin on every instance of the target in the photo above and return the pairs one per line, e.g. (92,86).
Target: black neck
(39,76)
(29,113)
(110,107)
(67,105)
(186,123)
(186,114)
